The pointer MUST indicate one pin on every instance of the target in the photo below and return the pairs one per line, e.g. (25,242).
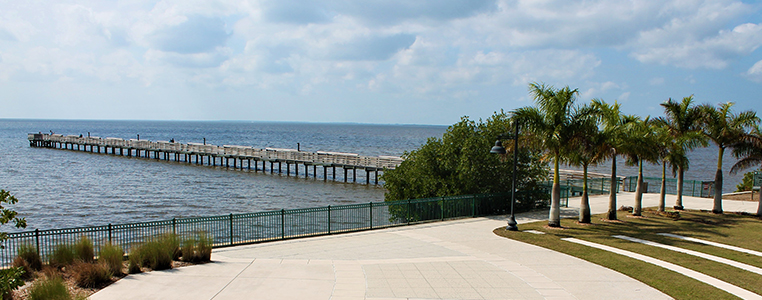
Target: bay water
(63,188)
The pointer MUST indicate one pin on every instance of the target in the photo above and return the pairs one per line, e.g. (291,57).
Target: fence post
(693,190)
(282,224)
(231,229)
(408,211)
(109,233)
(473,206)
(441,209)
(174,226)
(371,214)
(329,219)
(37,239)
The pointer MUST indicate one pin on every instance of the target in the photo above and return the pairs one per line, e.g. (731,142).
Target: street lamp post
(499,149)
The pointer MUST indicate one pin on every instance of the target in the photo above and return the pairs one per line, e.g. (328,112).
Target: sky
(375,61)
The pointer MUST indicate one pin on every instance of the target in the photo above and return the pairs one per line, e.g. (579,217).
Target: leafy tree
(724,128)
(8,215)
(460,163)
(10,279)
(614,123)
(551,121)
(683,121)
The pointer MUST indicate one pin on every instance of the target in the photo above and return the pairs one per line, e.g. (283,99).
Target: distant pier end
(227,155)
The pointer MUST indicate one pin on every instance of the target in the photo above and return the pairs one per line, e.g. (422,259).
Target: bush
(83,249)
(10,279)
(62,256)
(29,254)
(746,182)
(158,254)
(197,249)
(91,275)
(49,289)
(113,256)
(20,263)
(133,262)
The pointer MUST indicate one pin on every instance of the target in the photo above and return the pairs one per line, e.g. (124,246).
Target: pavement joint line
(718,259)
(730,288)
(231,280)
(729,247)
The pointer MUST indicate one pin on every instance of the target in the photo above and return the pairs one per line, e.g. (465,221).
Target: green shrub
(29,254)
(49,289)
(746,182)
(113,256)
(10,279)
(134,262)
(197,249)
(83,249)
(62,256)
(158,253)
(90,275)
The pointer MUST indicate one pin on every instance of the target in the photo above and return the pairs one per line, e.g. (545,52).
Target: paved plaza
(459,259)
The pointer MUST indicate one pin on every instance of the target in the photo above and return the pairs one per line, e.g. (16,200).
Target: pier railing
(319,157)
(240,229)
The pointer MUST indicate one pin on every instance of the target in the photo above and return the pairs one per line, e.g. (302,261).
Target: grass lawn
(732,229)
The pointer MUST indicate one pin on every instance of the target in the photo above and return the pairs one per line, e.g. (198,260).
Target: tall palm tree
(749,152)
(724,128)
(664,147)
(638,149)
(683,121)
(551,121)
(613,138)
(587,147)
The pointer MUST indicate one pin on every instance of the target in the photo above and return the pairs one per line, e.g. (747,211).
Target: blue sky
(378,61)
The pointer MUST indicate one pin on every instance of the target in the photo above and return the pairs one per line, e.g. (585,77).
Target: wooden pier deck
(227,155)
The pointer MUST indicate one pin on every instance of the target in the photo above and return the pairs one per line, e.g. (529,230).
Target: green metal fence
(239,229)
(693,188)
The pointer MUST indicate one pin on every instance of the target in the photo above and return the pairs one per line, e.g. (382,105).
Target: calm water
(59,188)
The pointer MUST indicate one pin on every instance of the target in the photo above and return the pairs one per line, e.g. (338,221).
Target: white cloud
(713,52)
(755,72)
(656,81)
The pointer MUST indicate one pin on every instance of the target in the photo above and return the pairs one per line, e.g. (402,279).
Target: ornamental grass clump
(52,288)
(158,253)
(113,257)
(30,256)
(83,249)
(133,262)
(62,256)
(197,249)
(90,275)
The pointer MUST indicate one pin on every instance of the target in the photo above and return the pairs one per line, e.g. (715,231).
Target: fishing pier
(237,157)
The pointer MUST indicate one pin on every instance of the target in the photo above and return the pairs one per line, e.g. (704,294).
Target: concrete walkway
(460,259)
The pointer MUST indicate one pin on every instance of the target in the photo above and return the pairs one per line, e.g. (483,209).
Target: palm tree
(638,149)
(724,128)
(613,138)
(587,147)
(551,121)
(683,121)
(664,146)
(749,152)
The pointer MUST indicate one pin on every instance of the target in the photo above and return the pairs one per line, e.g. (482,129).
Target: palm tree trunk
(584,205)
(613,189)
(663,189)
(717,209)
(554,218)
(639,191)
(679,200)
